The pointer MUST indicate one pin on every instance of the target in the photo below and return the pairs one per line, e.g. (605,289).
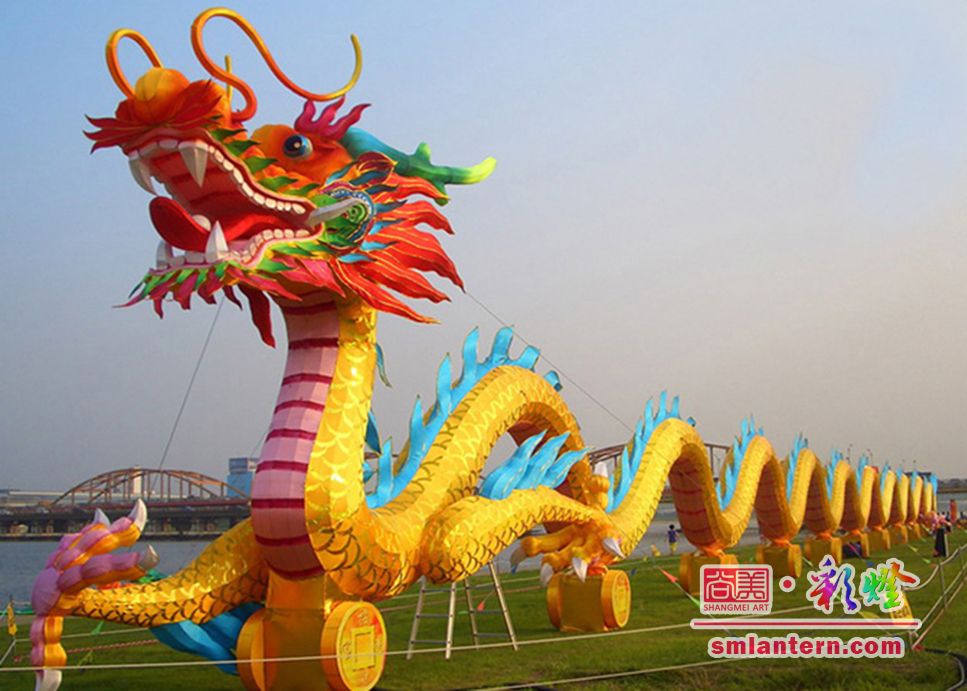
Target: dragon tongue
(176,225)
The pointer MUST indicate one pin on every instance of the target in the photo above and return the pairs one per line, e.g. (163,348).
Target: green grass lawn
(656,603)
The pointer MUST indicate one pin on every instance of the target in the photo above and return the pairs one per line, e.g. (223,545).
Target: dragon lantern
(335,226)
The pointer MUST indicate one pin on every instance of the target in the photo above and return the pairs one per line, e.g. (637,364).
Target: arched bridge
(182,504)
(150,484)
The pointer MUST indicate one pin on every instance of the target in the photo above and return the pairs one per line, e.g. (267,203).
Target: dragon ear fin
(261,313)
(372,434)
(381,367)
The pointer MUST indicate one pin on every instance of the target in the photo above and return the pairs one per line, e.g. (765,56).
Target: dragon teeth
(217,247)
(195,157)
(141,175)
(164,255)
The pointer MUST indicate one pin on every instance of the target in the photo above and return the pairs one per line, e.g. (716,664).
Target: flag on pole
(667,575)
(11,619)
(674,580)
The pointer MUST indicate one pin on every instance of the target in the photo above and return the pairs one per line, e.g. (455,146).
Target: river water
(21,561)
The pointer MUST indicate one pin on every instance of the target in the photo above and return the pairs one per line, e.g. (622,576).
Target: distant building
(240,472)
(10,498)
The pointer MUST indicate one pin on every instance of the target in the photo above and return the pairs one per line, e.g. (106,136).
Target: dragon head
(284,212)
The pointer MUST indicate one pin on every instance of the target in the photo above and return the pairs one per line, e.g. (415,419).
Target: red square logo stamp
(736,589)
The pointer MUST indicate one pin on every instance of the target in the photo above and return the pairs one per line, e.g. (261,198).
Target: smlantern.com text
(794,645)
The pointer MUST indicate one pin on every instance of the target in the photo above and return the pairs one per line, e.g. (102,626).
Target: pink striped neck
(278,488)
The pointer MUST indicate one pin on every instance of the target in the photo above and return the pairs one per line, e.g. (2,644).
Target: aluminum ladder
(451,614)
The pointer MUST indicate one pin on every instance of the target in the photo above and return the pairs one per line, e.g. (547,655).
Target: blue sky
(757,206)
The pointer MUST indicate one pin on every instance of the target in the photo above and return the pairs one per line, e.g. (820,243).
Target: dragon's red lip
(182,230)
(176,225)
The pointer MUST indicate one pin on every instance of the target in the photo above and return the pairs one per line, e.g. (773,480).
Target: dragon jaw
(217,213)
(234,217)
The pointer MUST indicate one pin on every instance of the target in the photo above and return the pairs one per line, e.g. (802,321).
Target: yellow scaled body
(438,528)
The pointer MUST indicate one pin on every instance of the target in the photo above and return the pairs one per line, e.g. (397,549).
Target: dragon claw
(149,559)
(517,556)
(547,571)
(48,680)
(139,514)
(580,567)
(601,469)
(86,558)
(611,544)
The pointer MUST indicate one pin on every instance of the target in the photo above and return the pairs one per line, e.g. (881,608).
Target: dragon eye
(297,146)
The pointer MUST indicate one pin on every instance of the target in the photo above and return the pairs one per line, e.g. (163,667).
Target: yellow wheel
(795,561)
(552,596)
(615,599)
(354,646)
(250,650)
(685,572)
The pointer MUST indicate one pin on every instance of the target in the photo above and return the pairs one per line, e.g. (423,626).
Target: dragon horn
(198,26)
(111,55)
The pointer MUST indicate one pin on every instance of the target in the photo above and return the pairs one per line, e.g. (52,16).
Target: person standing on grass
(940,527)
(672,539)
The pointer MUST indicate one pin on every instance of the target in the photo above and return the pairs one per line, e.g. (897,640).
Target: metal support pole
(451,615)
(943,583)
(503,605)
(471,615)
(415,630)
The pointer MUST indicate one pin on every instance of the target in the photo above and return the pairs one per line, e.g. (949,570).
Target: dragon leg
(468,534)
(81,559)
(228,573)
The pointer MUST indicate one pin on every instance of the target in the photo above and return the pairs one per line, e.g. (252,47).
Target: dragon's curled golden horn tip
(111,55)
(198,26)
